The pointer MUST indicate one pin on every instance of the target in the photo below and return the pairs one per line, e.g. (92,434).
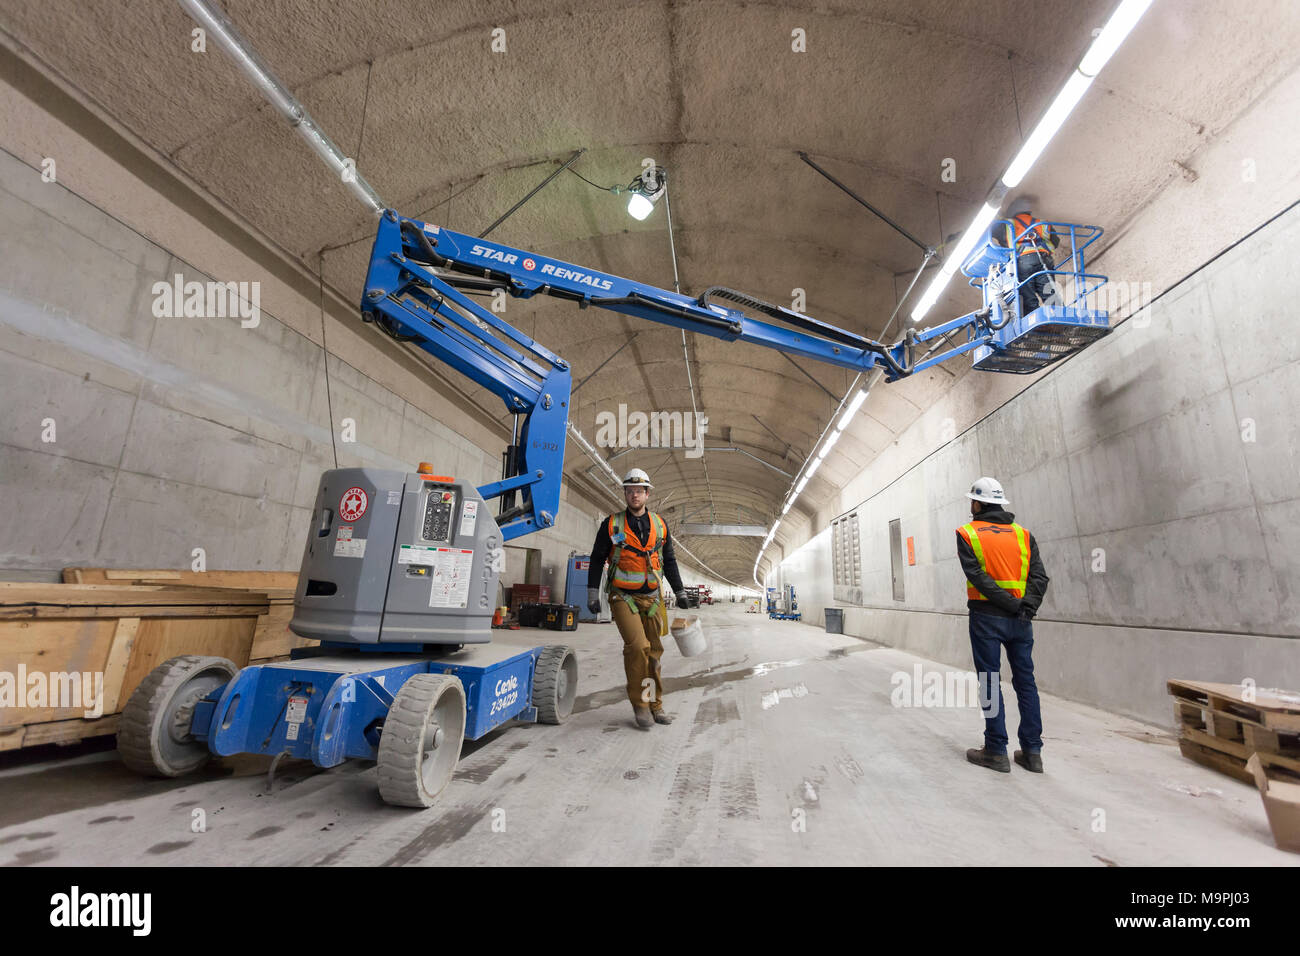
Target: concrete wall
(172,434)
(1158,472)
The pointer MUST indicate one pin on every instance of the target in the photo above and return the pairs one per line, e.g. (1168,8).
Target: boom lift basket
(1057,329)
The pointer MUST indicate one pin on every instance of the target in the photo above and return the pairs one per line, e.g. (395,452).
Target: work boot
(983,758)
(643,718)
(660,717)
(1031,762)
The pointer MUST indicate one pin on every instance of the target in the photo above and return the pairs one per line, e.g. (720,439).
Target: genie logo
(506,685)
(507,695)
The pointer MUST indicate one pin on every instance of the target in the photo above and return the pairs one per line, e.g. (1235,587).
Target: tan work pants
(642,631)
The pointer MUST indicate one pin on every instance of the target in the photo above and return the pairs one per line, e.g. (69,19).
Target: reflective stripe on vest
(1030,238)
(634,565)
(999,555)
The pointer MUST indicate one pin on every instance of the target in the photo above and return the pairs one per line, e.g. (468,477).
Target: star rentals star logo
(353,504)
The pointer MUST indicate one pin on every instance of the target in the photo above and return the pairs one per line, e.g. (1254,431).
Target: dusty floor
(786,750)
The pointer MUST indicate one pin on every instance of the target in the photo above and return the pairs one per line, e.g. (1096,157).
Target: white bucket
(689,634)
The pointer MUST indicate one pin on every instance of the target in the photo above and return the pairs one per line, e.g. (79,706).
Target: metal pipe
(880,215)
(809,377)
(629,341)
(672,245)
(781,471)
(215,22)
(593,454)
(533,192)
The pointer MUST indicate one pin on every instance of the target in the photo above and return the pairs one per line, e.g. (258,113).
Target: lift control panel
(398,558)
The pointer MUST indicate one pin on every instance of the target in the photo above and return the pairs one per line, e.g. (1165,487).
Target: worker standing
(1035,250)
(1005,584)
(639,549)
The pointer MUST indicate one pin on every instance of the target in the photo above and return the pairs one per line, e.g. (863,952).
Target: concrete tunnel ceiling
(449,131)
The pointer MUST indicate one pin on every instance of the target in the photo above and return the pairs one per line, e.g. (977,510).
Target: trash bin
(835,620)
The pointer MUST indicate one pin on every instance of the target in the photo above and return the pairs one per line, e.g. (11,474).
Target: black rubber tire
(555,683)
(411,773)
(146,738)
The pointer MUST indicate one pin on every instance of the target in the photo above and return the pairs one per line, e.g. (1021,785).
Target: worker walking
(1035,250)
(639,549)
(1005,584)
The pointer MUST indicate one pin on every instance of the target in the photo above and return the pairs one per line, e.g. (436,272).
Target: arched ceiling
(887,90)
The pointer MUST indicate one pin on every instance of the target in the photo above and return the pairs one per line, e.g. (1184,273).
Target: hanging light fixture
(646,190)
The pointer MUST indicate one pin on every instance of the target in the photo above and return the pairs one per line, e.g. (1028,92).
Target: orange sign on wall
(911,550)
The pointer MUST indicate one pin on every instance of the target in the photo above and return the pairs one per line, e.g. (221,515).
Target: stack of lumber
(1218,726)
(273,640)
(71,654)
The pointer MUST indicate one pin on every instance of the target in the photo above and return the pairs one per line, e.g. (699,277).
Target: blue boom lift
(400,570)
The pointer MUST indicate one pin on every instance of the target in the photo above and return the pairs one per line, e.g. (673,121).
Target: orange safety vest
(1033,234)
(635,565)
(1002,551)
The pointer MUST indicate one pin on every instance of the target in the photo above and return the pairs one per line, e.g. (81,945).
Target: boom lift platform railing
(1061,326)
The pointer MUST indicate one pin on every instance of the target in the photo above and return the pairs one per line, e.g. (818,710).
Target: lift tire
(153,736)
(555,683)
(421,740)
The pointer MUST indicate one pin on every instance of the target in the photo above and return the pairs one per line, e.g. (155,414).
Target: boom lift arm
(415,292)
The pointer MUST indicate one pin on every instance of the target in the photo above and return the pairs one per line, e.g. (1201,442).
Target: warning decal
(353,504)
(450,586)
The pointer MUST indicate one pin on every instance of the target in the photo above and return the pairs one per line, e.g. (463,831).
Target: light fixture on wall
(646,190)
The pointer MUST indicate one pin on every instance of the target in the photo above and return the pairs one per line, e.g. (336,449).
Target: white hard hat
(638,478)
(989,491)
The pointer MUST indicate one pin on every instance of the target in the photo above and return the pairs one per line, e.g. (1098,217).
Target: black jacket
(1002,603)
(640,525)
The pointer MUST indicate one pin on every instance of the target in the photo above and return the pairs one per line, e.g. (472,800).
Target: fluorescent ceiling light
(830,443)
(1056,114)
(852,410)
(787,506)
(812,470)
(1117,29)
(973,233)
(803,482)
(1112,35)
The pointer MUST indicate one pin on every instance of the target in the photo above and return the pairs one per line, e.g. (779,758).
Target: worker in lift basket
(639,550)
(1035,251)
(1005,584)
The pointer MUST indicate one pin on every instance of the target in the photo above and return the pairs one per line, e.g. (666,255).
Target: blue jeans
(988,635)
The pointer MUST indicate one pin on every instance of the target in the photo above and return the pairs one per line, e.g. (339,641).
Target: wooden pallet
(114,633)
(273,640)
(1220,729)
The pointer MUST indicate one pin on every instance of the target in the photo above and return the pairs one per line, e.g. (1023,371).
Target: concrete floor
(777,724)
